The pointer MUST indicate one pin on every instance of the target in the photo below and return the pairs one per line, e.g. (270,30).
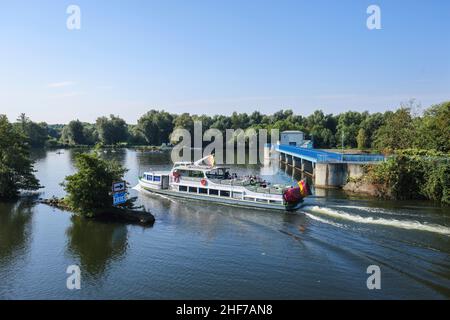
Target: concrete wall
(355,170)
(335,175)
(330,175)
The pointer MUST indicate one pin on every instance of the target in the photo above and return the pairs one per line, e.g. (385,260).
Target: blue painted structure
(321,156)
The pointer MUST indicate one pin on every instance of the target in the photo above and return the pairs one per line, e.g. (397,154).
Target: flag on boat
(304,188)
(208,160)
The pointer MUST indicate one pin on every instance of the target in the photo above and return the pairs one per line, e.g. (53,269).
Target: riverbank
(115,214)
(407,176)
(364,188)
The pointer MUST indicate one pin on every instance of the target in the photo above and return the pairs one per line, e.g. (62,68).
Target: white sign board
(119,186)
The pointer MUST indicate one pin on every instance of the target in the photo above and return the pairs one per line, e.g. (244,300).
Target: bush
(413,174)
(89,189)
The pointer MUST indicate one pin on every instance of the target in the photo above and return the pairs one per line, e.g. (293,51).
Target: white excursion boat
(202,180)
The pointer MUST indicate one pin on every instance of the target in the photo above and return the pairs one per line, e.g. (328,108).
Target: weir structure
(328,169)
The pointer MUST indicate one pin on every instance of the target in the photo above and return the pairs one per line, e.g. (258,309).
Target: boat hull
(220,200)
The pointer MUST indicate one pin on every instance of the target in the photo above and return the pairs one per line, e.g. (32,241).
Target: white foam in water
(379,210)
(405,224)
(313,217)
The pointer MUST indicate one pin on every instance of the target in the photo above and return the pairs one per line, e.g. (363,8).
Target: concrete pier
(328,169)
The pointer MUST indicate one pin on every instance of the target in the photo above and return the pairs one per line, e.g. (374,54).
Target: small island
(89,192)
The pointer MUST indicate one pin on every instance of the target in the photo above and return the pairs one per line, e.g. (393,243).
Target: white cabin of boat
(214,183)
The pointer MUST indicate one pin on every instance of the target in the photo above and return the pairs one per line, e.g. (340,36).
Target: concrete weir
(328,169)
(335,175)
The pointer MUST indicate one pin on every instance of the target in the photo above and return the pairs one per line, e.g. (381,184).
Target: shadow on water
(96,244)
(15,229)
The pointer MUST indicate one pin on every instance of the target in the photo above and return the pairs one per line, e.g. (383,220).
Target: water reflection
(96,244)
(15,229)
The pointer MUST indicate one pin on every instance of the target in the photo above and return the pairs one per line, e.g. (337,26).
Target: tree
(16,168)
(361,139)
(78,133)
(397,132)
(348,125)
(111,131)
(433,130)
(371,124)
(73,133)
(88,190)
(156,127)
(36,133)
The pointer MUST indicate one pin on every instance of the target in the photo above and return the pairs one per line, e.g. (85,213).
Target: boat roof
(193,166)
(157,173)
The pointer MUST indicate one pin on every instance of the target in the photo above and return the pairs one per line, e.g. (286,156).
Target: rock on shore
(361,187)
(140,217)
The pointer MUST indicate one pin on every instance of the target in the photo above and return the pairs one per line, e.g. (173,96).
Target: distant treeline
(401,129)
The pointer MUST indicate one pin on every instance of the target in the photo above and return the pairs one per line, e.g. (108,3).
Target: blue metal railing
(326,156)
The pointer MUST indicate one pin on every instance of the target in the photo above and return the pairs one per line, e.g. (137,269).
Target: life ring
(203,182)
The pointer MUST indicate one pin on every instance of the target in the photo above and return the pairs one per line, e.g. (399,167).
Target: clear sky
(217,56)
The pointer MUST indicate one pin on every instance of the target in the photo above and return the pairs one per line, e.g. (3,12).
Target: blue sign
(119,198)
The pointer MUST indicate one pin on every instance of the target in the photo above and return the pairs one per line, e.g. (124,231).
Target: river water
(197,250)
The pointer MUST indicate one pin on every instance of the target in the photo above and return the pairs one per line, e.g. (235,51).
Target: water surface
(197,250)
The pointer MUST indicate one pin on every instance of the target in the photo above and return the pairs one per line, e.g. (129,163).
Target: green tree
(433,130)
(361,139)
(111,131)
(36,133)
(16,168)
(156,126)
(89,189)
(78,133)
(371,124)
(322,129)
(348,125)
(397,133)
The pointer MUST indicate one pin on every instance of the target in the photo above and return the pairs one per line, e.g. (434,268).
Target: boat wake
(139,189)
(403,224)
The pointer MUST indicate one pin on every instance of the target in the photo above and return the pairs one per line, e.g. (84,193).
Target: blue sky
(219,56)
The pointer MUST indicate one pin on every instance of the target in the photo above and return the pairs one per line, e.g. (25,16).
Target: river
(207,251)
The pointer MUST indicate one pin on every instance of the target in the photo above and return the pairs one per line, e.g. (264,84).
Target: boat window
(196,174)
(219,173)
(183,173)
(149,177)
(224,193)
(193,189)
(183,188)
(237,195)
(203,190)
(213,192)
(157,178)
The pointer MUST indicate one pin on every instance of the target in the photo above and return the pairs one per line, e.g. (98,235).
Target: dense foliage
(388,131)
(111,131)
(89,189)
(16,168)
(413,174)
